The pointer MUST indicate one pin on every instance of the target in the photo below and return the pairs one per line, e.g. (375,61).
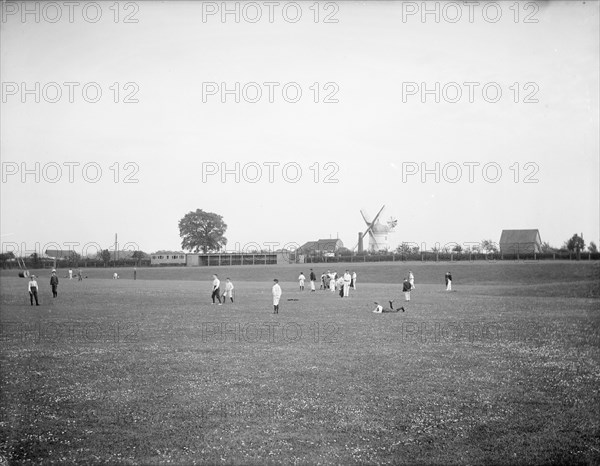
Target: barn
(520,242)
(321,247)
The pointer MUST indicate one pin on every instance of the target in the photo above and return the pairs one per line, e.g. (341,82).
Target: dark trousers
(33,294)
(216,294)
(54,291)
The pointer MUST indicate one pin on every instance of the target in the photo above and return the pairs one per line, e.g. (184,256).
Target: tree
(545,247)
(74,258)
(487,245)
(592,247)
(575,243)
(105,256)
(138,256)
(403,248)
(35,258)
(343,251)
(5,257)
(457,249)
(202,231)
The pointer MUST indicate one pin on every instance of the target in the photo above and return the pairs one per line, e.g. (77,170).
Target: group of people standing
(332,281)
(329,281)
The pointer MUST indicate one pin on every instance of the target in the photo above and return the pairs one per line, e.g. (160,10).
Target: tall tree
(575,243)
(403,248)
(202,231)
(592,247)
(105,256)
(138,256)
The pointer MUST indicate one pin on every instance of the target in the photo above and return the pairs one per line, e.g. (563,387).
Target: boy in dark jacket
(406,287)
(54,284)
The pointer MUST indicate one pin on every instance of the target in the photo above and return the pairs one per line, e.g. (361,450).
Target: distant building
(321,247)
(198,259)
(60,254)
(168,258)
(520,242)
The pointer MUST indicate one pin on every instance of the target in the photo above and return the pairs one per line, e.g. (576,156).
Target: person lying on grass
(380,309)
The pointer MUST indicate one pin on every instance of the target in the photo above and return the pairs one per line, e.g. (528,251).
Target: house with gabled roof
(520,242)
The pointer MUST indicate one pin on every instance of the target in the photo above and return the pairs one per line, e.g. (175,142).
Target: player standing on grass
(347,280)
(228,291)
(301,279)
(276,296)
(448,278)
(54,284)
(406,287)
(411,279)
(33,290)
(313,279)
(353,284)
(216,289)
(339,285)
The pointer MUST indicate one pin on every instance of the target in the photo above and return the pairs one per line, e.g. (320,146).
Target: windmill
(377,231)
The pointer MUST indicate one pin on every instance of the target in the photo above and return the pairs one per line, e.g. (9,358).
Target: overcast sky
(370,141)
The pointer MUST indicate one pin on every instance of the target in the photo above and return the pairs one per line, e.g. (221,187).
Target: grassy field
(504,370)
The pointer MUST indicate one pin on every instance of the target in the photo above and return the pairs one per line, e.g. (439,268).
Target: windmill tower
(379,233)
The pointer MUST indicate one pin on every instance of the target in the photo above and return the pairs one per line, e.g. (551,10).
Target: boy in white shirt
(347,281)
(33,290)
(216,289)
(228,291)
(276,296)
(301,279)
